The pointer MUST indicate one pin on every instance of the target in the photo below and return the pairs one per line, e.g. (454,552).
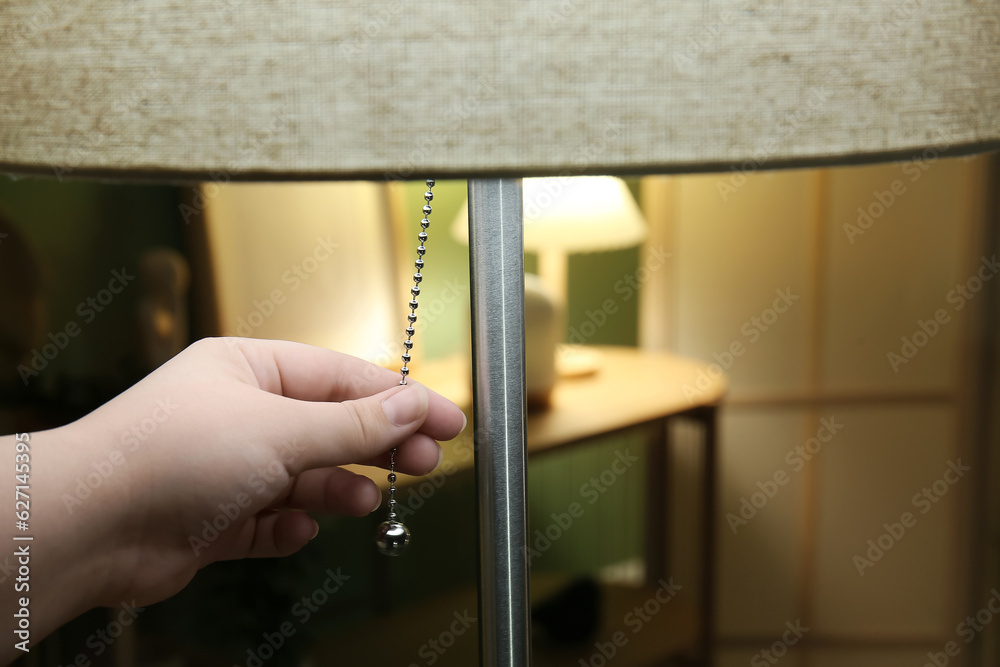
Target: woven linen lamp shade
(230,89)
(220,90)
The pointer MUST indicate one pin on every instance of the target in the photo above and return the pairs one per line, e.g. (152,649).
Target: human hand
(212,456)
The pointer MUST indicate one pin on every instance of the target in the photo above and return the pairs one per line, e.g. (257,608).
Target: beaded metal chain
(392,537)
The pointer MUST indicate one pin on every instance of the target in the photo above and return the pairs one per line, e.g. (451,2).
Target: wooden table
(632,390)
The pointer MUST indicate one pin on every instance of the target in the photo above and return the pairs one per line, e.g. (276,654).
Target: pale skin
(263,423)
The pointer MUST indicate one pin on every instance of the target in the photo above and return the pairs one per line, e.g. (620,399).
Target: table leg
(708,417)
(658,506)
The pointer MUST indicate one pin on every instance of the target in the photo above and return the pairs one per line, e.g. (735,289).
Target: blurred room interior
(842,320)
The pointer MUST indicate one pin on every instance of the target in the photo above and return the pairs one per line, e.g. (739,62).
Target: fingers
(334,491)
(271,534)
(340,491)
(334,434)
(445,420)
(281,534)
(419,455)
(309,373)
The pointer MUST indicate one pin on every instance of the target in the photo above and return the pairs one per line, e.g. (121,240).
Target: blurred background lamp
(563,215)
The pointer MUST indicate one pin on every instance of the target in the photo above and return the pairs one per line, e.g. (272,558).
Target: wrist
(71,517)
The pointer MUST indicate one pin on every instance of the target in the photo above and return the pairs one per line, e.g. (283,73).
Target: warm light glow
(312,263)
(578,214)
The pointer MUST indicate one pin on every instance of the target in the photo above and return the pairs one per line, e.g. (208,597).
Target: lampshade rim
(153,175)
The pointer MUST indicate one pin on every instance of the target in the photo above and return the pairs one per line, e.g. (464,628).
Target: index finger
(310,373)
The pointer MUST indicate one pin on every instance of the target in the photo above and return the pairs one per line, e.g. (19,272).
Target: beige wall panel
(868,475)
(293,261)
(759,564)
(735,251)
(888,274)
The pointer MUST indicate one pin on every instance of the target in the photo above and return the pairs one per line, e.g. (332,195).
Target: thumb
(403,406)
(362,428)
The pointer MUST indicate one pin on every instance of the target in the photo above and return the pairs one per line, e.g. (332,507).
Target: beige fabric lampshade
(226,89)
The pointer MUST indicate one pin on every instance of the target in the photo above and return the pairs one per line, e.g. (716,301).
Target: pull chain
(392,537)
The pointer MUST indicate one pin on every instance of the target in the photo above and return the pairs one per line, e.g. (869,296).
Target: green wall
(81,232)
(610,530)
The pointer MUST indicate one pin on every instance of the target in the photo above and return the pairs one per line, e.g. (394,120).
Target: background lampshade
(569,215)
(561,216)
(221,90)
(582,214)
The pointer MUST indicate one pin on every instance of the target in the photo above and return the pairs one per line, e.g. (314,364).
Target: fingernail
(315,530)
(406,406)
(440,456)
(465,421)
